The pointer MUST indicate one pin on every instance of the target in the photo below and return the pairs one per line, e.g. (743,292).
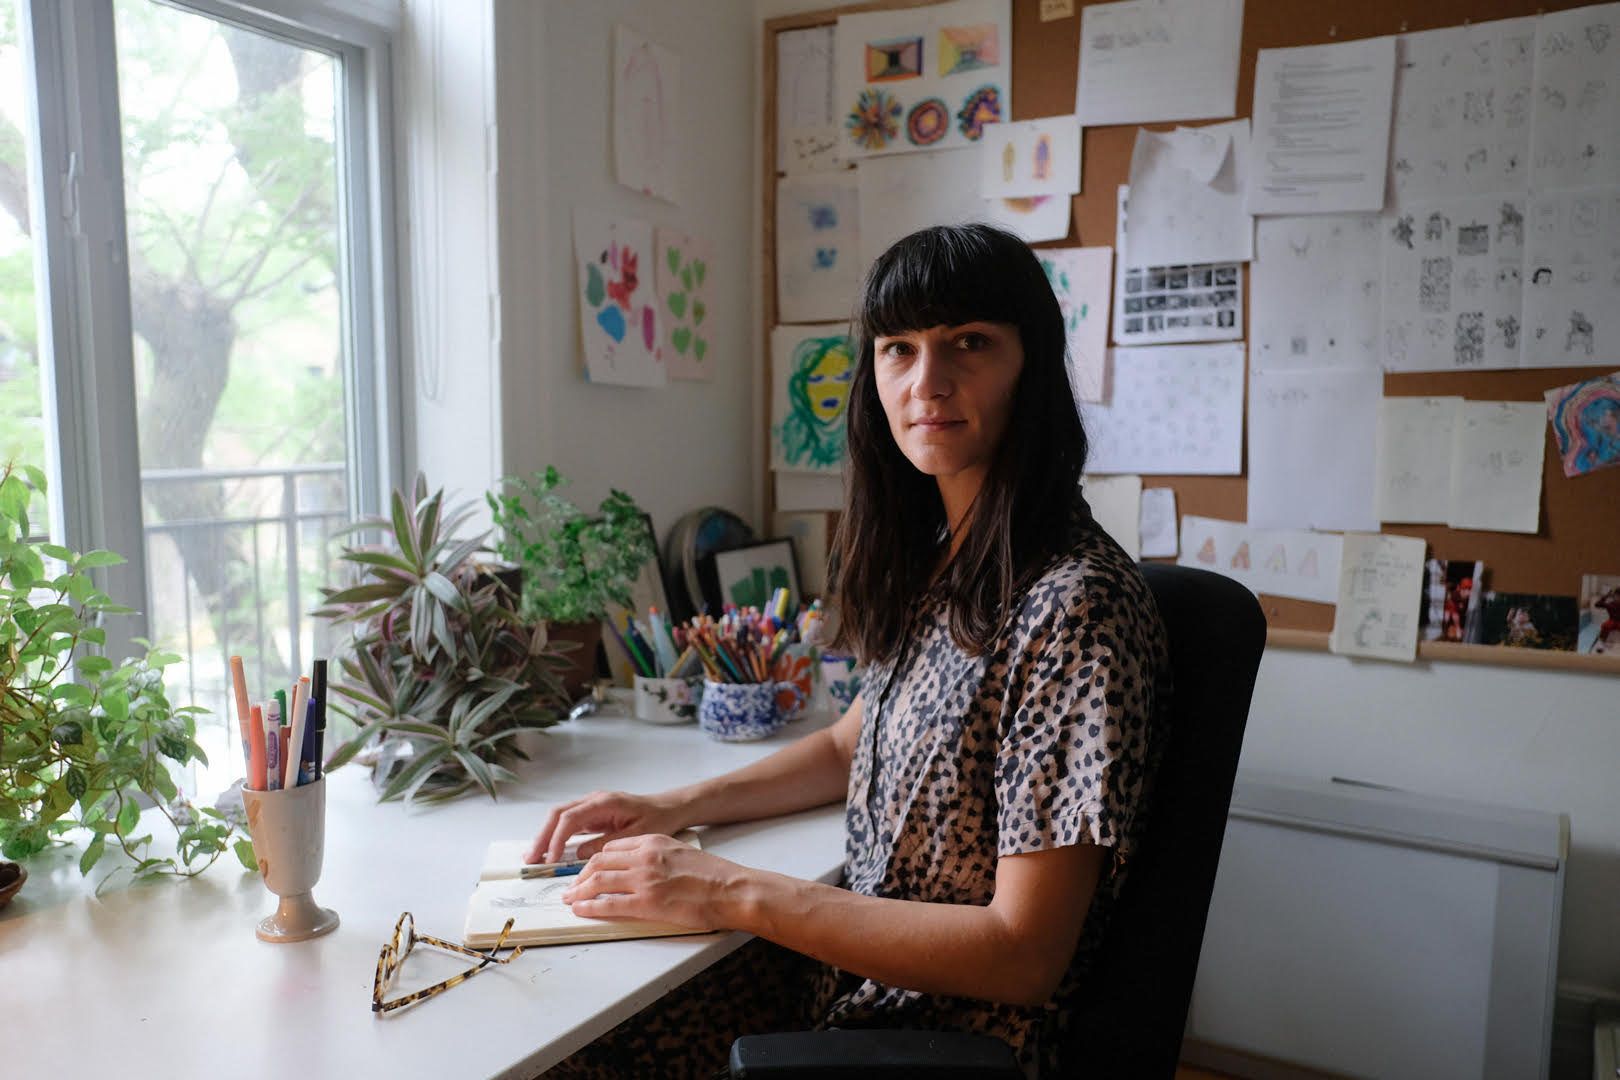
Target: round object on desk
(12,876)
(692,539)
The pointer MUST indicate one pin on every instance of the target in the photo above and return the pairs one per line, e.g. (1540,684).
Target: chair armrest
(878,1053)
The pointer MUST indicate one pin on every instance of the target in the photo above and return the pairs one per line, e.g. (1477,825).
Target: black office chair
(1150,955)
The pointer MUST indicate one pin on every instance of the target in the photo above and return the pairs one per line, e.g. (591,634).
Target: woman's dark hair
(893,526)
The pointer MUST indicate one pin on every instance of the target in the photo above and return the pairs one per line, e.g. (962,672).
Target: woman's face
(947,392)
(827,384)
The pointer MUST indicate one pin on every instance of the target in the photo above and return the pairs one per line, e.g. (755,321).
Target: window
(217,380)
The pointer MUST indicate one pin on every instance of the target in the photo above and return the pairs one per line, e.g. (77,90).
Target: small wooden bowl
(12,876)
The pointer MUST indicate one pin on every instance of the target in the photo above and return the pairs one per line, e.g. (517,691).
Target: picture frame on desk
(649,592)
(747,576)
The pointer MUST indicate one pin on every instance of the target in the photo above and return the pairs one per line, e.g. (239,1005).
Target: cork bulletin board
(1580,516)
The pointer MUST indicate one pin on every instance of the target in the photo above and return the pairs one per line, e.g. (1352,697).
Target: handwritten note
(1321,127)
(1496,464)
(1145,61)
(1414,458)
(1312,448)
(1174,409)
(1380,594)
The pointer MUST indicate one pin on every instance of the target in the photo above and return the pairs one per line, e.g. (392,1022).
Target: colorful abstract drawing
(968,48)
(620,323)
(928,122)
(982,107)
(682,288)
(900,58)
(875,120)
(1585,419)
(808,428)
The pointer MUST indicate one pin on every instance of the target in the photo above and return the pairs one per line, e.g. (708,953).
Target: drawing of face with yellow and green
(818,394)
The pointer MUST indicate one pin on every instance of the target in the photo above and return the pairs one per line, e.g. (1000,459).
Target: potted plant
(576,567)
(442,672)
(86,743)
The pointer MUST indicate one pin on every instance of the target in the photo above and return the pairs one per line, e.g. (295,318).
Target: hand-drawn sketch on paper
(1313,439)
(1042,217)
(1575,117)
(1080,278)
(1380,596)
(1414,458)
(818,241)
(646,115)
(1155,305)
(1585,419)
(1171,410)
(1452,295)
(1295,563)
(1187,189)
(807,135)
(1158,524)
(811,371)
(1315,288)
(906,192)
(1462,111)
(682,279)
(1572,279)
(1496,461)
(618,312)
(1030,158)
(922,77)
(1148,61)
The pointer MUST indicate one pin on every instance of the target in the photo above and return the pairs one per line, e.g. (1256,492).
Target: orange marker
(256,763)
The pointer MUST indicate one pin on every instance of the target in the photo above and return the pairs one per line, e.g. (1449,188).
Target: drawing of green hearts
(673,256)
(594,289)
(686,275)
(681,338)
(699,269)
(677,304)
(699,309)
(699,347)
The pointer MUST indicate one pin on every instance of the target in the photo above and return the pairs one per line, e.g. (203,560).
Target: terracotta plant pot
(579,671)
(12,876)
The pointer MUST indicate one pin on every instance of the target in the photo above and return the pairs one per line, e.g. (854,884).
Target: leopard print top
(1042,742)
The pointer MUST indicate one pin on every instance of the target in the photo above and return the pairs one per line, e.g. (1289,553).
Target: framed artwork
(748,576)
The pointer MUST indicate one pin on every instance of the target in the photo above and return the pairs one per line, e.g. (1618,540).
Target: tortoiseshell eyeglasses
(405,938)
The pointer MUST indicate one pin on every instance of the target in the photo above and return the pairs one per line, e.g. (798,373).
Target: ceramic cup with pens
(668,701)
(796,665)
(743,712)
(289,841)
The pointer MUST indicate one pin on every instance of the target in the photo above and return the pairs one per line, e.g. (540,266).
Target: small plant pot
(12,876)
(578,670)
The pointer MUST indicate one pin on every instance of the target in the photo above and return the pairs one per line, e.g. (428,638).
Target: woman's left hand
(654,877)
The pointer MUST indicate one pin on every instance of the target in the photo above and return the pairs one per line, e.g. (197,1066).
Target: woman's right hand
(611,813)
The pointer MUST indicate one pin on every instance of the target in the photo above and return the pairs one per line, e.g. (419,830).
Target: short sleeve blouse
(1044,741)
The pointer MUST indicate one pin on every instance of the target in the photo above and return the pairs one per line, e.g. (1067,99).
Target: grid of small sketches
(1171,410)
(923,77)
(1599,628)
(1166,304)
(1575,119)
(1585,419)
(1315,291)
(1572,279)
(1530,621)
(1294,563)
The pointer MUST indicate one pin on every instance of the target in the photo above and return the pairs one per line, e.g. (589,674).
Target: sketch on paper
(1080,279)
(618,312)
(1496,466)
(1148,61)
(646,103)
(1313,446)
(807,134)
(1156,305)
(921,77)
(1452,295)
(811,371)
(1414,458)
(1295,563)
(1187,196)
(1171,410)
(682,285)
(901,193)
(1462,111)
(1585,419)
(1030,158)
(1315,291)
(1043,217)
(1575,117)
(1380,596)
(818,267)
(1572,297)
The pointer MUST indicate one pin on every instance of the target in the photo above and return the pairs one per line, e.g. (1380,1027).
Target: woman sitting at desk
(995,764)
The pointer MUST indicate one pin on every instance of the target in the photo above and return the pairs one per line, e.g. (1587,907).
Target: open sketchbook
(536,904)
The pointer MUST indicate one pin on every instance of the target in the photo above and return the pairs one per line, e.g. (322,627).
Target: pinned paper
(907,192)
(807,134)
(1159,523)
(1172,410)
(1295,563)
(1147,61)
(1030,157)
(1041,217)
(1313,438)
(1414,458)
(646,115)
(618,313)
(1080,279)
(1314,292)
(1116,503)
(682,279)
(818,257)
(1158,305)
(812,368)
(1496,463)
(1187,190)
(1380,596)
(1585,419)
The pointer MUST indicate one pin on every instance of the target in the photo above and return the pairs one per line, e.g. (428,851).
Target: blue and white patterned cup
(841,678)
(743,712)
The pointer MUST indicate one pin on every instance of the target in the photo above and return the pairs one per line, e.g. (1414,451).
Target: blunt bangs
(947,276)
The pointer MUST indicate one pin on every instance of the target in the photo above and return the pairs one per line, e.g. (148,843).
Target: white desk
(179,984)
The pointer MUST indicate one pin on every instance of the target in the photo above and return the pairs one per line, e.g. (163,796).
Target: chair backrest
(1149,956)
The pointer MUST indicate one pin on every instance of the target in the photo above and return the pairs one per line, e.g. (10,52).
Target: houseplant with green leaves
(441,673)
(85,743)
(576,566)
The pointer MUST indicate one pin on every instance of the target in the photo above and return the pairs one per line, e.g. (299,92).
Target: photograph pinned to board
(1599,628)
(1585,419)
(806,124)
(618,312)
(1453,593)
(749,576)
(1315,289)
(1081,278)
(1024,158)
(1380,595)
(646,115)
(1161,305)
(818,246)
(1186,195)
(923,77)
(1530,621)
(1452,284)
(1172,410)
(1295,563)
(682,284)
(1040,217)
(1150,61)
(1572,279)
(812,368)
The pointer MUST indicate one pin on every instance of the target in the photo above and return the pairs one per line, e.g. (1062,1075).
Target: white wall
(692,443)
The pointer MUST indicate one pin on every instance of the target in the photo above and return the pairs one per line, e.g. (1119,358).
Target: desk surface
(179,981)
